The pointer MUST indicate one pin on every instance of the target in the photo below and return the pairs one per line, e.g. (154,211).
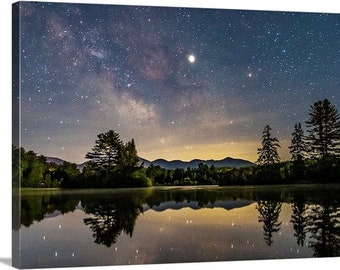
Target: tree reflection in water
(269,214)
(320,218)
(111,218)
(299,219)
(324,226)
(315,220)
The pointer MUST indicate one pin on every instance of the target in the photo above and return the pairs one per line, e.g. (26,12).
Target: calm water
(182,224)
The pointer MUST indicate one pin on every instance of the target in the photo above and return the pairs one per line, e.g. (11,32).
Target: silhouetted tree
(106,152)
(116,163)
(298,145)
(324,130)
(268,154)
(298,149)
(69,174)
(128,160)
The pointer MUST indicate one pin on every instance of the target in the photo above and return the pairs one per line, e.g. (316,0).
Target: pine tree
(268,153)
(298,146)
(129,159)
(106,152)
(114,163)
(324,130)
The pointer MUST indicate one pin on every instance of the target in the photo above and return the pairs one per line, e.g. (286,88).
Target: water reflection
(324,226)
(299,220)
(35,206)
(112,215)
(315,220)
(269,214)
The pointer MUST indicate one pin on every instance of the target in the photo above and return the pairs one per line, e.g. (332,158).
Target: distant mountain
(60,161)
(174,164)
(55,160)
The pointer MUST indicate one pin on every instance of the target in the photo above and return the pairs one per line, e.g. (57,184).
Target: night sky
(184,83)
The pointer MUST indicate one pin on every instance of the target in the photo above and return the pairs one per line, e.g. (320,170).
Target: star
(191,58)
(170,79)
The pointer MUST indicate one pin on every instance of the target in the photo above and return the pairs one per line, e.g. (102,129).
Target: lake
(65,228)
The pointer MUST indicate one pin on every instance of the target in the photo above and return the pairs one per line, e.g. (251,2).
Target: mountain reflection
(315,221)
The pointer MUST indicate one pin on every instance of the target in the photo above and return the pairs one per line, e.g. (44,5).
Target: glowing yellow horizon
(244,150)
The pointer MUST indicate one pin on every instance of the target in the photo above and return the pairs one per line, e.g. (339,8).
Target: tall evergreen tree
(129,159)
(106,152)
(324,130)
(268,153)
(298,146)
(114,163)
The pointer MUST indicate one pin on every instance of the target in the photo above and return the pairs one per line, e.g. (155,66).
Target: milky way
(184,83)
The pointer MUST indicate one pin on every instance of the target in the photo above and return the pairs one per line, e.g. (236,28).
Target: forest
(315,158)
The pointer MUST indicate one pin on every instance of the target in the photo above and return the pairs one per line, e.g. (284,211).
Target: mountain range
(174,164)
(60,161)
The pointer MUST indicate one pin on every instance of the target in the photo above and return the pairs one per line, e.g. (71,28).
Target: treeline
(322,142)
(112,164)
(36,172)
(315,158)
(203,175)
(288,172)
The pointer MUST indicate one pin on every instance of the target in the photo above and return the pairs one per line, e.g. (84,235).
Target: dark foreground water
(176,225)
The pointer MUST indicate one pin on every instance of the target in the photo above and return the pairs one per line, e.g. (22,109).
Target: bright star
(191,58)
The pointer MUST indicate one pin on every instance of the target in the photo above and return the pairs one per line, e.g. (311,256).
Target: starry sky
(185,83)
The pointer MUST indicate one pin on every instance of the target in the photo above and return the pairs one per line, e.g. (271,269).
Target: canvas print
(150,135)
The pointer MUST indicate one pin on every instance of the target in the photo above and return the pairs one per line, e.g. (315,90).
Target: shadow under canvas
(7,261)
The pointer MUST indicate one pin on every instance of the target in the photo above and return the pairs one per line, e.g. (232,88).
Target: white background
(332,6)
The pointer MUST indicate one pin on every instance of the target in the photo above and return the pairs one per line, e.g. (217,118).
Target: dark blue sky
(90,68)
